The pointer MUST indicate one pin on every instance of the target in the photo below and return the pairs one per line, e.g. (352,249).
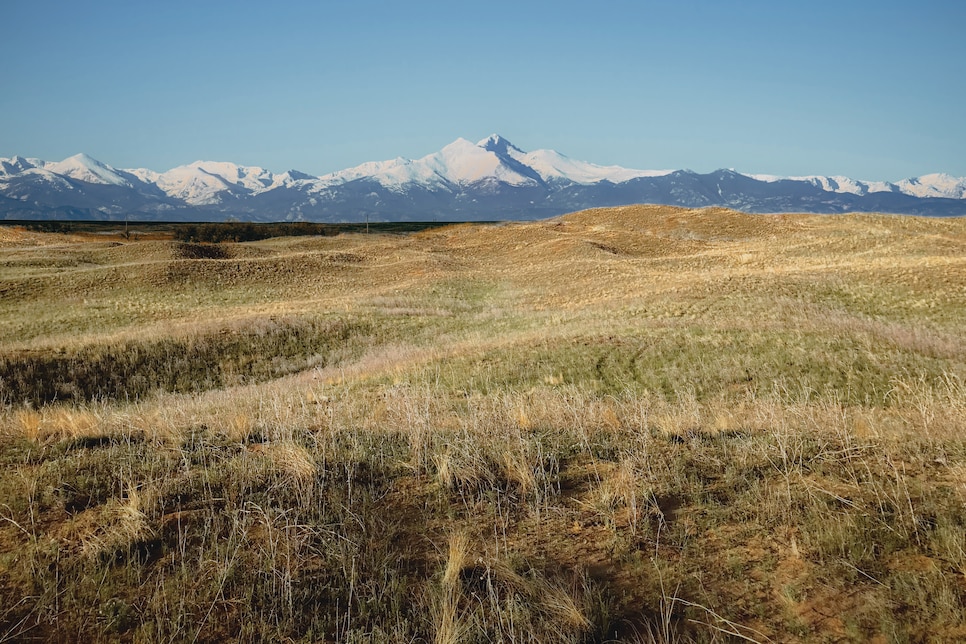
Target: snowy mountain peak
(462,162)
(458,146)
(295,175)
(17,164)
(497,144)
(192,184)
(85,159)
(83,167)
(209,182)
(935,185)
(940,186)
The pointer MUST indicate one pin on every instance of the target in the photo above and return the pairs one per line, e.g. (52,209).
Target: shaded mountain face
(488,180)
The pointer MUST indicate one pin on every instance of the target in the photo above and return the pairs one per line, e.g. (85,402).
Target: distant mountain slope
(491,179)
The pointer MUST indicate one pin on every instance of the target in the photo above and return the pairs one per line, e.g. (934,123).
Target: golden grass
(638,423)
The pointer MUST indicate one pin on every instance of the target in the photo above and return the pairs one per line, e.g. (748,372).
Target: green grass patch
(132,370)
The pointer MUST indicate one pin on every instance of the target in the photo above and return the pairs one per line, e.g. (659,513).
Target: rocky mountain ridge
(488,180)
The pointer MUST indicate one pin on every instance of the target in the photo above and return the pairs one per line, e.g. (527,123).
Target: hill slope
(640,423)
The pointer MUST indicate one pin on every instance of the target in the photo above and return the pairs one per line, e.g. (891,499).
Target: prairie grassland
(633,424)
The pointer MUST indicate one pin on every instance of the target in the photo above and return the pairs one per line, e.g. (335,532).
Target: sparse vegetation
(638,424)
(213,232)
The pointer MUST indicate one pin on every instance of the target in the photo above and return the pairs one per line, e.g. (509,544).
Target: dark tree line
(246,231)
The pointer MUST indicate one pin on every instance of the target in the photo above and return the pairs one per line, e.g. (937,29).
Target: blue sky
(870,89)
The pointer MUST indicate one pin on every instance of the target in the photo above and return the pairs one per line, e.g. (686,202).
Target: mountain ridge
(490,179)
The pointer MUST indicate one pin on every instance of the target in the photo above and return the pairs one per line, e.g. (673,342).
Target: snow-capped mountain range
(491,179)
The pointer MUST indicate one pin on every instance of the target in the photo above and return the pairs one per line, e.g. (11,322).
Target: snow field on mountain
(461,162)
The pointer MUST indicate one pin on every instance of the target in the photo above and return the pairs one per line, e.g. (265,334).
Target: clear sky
(872,89)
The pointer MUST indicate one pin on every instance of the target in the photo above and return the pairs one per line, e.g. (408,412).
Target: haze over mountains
(488,180)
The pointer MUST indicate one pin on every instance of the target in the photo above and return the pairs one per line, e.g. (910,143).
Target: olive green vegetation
(131,370)
(638,424)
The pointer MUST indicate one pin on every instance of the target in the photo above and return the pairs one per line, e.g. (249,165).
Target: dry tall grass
(633,424)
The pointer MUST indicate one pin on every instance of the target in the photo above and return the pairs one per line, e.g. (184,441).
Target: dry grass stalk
(74,423)
(457,555)
(450,624)
(518,471)
(122,523)
(29,422)
(291,460)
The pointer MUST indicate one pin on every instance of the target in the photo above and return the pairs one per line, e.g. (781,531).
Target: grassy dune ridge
(633,424)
